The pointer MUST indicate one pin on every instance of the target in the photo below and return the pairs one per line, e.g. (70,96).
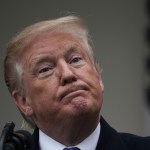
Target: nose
(66,74)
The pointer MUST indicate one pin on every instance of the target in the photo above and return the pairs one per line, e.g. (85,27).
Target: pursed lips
(74,90)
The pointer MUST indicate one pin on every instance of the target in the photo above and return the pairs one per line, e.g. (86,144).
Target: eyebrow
(38,61)
(70,51)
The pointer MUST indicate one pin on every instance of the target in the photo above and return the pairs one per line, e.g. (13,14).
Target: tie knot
(71,148)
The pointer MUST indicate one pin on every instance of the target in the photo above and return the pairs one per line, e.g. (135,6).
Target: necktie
(72,148)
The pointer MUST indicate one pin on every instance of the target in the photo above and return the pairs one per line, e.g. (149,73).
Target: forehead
(57,42)
(52,46)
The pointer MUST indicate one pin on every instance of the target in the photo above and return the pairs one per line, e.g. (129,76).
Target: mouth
(74,91)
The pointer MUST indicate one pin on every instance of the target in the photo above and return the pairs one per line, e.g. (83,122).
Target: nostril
(69,80)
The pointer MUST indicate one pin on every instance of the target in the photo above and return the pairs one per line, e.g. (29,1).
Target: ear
(101,84)
(22,103)
(100,80)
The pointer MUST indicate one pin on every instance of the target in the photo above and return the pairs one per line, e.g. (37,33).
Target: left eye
(76,60)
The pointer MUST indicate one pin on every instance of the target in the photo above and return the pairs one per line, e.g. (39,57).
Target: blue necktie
(72,148)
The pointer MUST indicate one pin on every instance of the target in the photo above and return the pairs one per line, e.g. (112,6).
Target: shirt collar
(89,143)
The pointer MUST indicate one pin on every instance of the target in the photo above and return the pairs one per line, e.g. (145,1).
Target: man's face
(60,80)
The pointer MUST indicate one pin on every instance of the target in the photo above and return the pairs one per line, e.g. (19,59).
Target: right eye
(45,71)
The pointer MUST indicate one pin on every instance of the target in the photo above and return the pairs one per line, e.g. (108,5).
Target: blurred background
(119,31)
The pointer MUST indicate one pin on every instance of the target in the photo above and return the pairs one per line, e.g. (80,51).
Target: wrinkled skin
(63,88)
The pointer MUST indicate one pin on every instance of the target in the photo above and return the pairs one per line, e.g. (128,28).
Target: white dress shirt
(90,143)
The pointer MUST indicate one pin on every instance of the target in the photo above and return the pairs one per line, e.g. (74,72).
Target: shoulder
(110,138)
(136,142)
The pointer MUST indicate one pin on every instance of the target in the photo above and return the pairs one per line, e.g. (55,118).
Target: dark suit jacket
(110,139)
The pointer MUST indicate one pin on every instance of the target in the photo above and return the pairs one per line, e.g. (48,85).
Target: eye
(75,60)
(45,71)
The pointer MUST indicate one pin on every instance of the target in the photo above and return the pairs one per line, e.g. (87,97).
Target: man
(56,83)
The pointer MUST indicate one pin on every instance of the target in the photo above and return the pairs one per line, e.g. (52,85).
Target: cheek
(90,75)
(42,97)
(94,81)
(40,91)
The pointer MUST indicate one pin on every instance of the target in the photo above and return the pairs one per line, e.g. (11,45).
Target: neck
(72,132)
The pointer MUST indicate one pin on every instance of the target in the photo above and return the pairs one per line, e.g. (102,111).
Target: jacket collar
(35,135)
(109,138)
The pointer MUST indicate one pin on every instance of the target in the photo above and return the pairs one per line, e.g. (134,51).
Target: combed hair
(13,69)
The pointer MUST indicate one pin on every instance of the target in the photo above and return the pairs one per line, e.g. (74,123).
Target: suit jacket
(110,139)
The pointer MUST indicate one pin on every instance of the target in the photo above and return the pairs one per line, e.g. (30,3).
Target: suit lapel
(36,139)
(109,138)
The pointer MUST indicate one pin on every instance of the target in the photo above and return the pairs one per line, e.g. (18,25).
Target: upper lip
(72,89)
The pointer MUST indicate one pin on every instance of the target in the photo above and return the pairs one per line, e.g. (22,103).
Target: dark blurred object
(148,26)
(148,96)
(147,61)
(19,140)
(148,34)
(147,65)
(148,7)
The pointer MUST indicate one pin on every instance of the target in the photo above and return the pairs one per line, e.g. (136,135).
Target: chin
(81,106)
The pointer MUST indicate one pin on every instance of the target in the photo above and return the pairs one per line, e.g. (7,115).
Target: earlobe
(22,103)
